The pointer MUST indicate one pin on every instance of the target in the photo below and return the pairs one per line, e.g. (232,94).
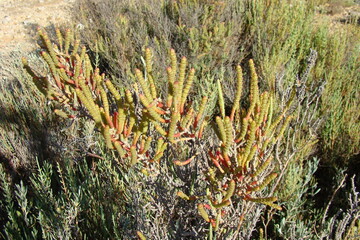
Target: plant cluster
(239,162)
(201,149)
(124,119)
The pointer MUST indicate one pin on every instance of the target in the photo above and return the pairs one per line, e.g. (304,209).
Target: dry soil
(20,18)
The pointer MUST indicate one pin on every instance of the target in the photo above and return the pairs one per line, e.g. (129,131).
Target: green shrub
(68,201)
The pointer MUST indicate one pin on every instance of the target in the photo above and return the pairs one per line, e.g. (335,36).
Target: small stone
(6,19)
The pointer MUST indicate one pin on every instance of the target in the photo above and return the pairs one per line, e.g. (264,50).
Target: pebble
(6,19)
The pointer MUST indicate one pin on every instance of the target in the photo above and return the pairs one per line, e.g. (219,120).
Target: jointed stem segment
(246,136)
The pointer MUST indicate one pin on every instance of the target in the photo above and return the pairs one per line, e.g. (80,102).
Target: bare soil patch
(20,18)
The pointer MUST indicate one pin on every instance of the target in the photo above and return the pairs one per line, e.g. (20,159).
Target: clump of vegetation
(136,149)
(246,137)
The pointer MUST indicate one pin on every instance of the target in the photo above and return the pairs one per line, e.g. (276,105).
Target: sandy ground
(20,18)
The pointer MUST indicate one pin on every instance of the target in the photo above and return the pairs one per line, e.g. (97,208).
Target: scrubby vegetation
(188,119)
